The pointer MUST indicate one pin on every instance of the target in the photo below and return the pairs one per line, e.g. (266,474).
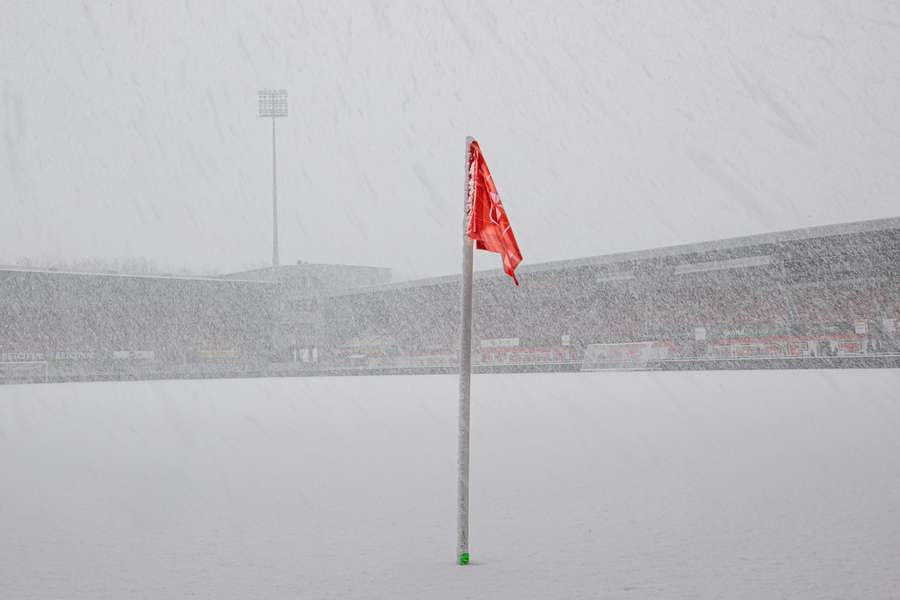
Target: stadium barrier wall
(183,372)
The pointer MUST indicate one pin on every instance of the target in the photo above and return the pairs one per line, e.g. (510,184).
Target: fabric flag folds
(488,224)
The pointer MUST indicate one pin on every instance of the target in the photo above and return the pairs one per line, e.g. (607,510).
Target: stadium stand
(100,325)
(824,291)
(805,295)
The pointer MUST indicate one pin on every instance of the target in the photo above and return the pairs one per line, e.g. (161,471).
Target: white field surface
(600,485)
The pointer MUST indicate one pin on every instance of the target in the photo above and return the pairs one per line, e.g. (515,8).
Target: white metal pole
(274,201)
(465,377)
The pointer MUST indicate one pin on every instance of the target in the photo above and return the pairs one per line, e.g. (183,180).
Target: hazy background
(130,130)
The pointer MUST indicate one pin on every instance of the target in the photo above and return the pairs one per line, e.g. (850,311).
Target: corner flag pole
(465,378)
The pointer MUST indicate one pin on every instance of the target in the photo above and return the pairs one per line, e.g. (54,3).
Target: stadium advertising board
(134,355)
(500,343)
(221,354)
(70,355)
(21,356)
(751,332)
(631,354)
(58,355)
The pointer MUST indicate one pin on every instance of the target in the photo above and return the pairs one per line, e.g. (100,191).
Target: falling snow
(692,393)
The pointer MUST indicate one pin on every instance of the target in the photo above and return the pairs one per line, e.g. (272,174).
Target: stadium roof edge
(305,265)
(214,278)
(776,237)
(856,227)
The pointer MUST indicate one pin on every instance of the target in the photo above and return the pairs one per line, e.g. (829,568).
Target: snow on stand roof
(339,280)
(151,276)
(302,274)
(735,248)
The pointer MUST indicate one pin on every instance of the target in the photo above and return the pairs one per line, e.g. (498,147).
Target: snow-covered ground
(631,485)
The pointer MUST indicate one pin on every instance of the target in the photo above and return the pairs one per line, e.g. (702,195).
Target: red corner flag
(488,223)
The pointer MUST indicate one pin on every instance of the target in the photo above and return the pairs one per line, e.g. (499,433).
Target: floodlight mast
(273,105)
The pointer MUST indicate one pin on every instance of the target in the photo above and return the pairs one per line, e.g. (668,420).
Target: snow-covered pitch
(615,485)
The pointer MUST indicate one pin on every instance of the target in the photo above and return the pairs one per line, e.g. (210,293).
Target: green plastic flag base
(464,558)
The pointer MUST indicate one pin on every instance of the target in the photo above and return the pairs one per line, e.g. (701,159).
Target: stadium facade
(828,292)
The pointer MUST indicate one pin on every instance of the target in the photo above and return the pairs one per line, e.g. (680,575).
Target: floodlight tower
(273,104)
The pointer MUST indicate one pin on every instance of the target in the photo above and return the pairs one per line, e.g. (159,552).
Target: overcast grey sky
(130,129)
